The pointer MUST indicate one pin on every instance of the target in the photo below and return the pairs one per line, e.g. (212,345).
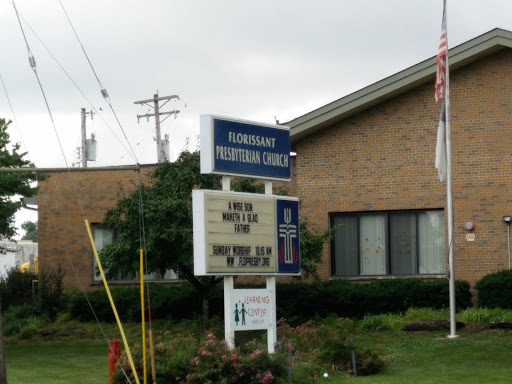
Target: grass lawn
(479,357)
(57,362)
(431,358)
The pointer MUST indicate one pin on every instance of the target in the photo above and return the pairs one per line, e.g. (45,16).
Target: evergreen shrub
(167,301)
(495,290)
(344,298)
(16,288)
(297,302)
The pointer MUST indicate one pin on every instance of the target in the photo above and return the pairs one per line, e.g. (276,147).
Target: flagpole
(449,199)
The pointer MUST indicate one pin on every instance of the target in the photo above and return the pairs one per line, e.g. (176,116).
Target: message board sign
(251,309)
(243,233)
(243,148)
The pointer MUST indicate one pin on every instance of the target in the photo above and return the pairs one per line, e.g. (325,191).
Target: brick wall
(383,159)
(65,199)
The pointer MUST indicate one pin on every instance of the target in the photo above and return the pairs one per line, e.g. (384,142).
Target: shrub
(172,359)
(167,301)
(414,314)
(495,290)
(370,362)
(16,288)
(51,291)
(300,302)
(485,315)
(17,317)
(182,360)
(327,347)
(384,322)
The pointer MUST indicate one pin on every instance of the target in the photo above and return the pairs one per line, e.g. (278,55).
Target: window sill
(390,277)
(134,282)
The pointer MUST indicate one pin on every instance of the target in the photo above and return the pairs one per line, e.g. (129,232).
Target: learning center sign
(243,233)
(242,148)
(251,309)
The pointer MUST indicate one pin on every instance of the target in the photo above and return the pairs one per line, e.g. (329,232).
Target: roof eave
(399,83)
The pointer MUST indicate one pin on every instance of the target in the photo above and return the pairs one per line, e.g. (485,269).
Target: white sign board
(251,309)
(244,233)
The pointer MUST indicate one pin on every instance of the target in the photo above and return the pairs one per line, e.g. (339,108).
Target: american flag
(441,60)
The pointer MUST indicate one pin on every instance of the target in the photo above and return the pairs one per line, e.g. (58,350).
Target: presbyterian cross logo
(288,232)
(287,228)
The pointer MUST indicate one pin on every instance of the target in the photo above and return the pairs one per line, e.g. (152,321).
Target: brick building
(66,199)
(365,163)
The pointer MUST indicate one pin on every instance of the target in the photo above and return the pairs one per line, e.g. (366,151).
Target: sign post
(241,233)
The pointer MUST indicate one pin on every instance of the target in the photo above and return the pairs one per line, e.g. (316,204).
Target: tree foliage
(167,219)
(12,185)
(30,229)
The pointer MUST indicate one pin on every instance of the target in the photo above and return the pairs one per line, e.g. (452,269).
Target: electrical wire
(76,85)
(104,92)
(52,219)
(33,66)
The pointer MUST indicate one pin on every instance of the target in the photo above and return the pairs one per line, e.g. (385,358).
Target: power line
(104,92)
(75,84)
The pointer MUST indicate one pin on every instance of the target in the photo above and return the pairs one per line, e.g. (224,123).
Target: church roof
(401,82)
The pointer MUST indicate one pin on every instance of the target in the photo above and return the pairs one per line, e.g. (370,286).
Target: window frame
(152,277)
(388,264)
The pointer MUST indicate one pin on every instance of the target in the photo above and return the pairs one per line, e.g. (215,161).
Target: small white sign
(470,237)
(251,309)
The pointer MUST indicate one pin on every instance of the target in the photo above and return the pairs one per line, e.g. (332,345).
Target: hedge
(495,290)
(296,302)
(299,302)
(167,301)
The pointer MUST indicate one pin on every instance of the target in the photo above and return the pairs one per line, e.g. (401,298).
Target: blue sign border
(288,232)
(244,148)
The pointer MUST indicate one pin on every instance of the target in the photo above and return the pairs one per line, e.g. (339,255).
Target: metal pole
(84,140)
(3,370)
(449,199)
(157,125)
(508,231)
(271,286)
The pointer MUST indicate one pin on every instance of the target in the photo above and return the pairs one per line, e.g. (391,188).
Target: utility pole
(84,140)
(83,151)
(3,370)
(156,106)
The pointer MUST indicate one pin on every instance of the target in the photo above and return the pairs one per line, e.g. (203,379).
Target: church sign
(243,148)
(242,233)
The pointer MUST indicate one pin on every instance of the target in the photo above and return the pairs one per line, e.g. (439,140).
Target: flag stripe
(442,53)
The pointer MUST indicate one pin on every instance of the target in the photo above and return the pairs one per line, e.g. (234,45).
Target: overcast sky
(246,59)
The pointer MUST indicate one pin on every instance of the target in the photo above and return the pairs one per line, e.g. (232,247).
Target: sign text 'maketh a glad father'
(252,156)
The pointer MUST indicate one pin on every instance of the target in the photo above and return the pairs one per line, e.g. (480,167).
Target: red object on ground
(114,351)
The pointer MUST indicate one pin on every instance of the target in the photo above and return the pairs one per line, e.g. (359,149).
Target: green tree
(30,229)
(13,185)
(167,214)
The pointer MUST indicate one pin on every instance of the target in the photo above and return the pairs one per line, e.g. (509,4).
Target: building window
(102,237)
(388,243)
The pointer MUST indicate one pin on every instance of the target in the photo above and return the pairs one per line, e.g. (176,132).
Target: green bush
(485,315)
(185,361)
(167,301)
(370,362)
(18,317)
(384,322)
(495,290)
(16,288)
(51,291)
(344,298)
(297,302)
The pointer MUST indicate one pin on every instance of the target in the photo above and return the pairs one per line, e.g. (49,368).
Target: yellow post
(143,315)
(125,342)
